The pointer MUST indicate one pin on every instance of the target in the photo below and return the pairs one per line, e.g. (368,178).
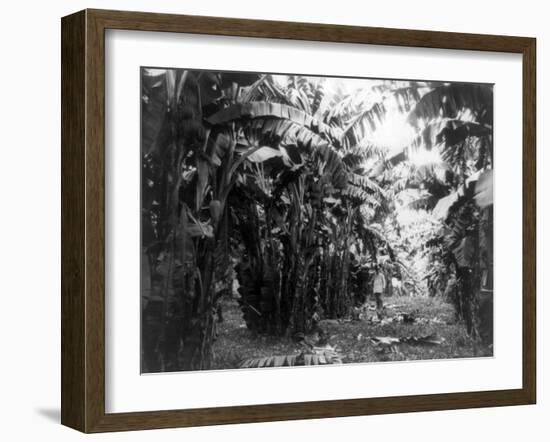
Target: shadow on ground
(51,414)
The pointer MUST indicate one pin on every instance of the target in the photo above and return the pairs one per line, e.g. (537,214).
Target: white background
(30,233)
(128,391)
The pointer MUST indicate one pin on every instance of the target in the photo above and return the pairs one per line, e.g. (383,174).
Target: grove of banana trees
(277,191)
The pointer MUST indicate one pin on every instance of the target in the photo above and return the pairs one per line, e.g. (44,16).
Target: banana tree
(457,120)
(309,173)
(189,170)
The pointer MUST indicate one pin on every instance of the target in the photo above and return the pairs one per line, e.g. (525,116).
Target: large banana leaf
(447,133)
(263,154)
(366,184)
(457,131)
(296,144)
(263,109)
(263,89)
(375,106)
(155,96)
(479,186)
(484,189)
(318,356)
(438,116)
(359,126)
(451,100)
(465,252)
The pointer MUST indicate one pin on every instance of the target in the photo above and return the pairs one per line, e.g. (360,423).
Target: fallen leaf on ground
(423,340)
(384,340)
(413,340)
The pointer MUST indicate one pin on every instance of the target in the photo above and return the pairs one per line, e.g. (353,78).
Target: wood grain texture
(83,220)
(73,129)
(529,220)
(144,21)
(95,222)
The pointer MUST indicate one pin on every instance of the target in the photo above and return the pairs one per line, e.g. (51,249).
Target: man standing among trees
(378,286)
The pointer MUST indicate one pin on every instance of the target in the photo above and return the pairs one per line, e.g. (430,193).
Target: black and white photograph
(305,220)
(260,221)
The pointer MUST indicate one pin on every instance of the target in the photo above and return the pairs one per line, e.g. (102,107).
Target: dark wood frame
(83,216)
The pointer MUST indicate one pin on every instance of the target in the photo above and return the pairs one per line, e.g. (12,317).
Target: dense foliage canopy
(286,190)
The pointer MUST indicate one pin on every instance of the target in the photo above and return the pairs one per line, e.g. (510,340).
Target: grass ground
(352,338)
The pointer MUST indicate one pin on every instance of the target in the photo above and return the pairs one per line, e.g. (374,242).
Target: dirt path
(407,319)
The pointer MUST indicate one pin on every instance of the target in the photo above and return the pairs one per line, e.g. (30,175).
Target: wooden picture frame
(83,220)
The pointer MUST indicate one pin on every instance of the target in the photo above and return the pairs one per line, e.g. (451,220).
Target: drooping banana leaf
(479,185)
(450,100)
(263,109)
